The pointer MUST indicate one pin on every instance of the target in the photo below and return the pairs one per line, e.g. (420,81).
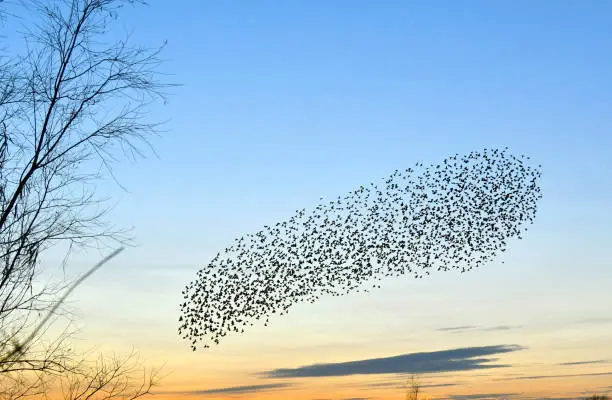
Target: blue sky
(286,102)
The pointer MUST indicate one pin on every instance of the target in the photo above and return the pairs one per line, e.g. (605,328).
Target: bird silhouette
(458,214)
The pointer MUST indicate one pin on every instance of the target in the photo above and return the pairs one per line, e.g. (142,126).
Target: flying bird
(458,214)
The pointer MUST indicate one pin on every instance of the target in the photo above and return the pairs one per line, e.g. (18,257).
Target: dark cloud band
(462,359)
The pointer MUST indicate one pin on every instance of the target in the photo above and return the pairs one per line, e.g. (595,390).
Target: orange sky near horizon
(554,320)
(452,384)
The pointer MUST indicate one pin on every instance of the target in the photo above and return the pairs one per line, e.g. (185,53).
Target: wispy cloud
(548,398)
(461,359)
(554,376)
(502,328)
(348,398)
(456,328)
(601,320)
(465,328)
(232,389)
(483,396)
(402,384)
(585,362)
(439,385)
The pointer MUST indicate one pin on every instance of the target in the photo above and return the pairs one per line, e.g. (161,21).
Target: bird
(458,214)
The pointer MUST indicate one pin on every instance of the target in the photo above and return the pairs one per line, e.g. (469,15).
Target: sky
(282,103)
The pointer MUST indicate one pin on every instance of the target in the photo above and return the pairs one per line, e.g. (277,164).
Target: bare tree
(70,105)
(106,378)
(110,378)
(49,361)
(413,391)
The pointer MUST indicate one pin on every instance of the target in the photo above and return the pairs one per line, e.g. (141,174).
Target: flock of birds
(458,214)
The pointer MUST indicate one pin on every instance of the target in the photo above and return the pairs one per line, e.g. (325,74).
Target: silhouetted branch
(16,356)
(70,104)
